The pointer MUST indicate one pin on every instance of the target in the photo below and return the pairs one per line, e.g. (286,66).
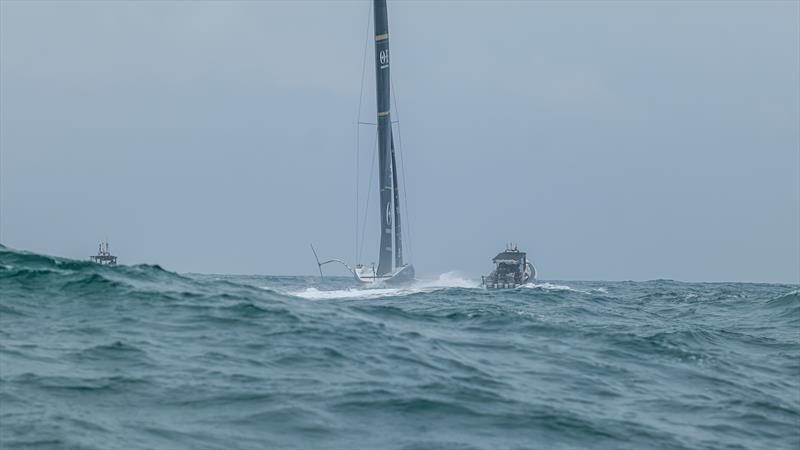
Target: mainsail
(398,242)
(391,242)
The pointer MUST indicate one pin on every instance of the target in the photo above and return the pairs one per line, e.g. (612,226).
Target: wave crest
(447,280)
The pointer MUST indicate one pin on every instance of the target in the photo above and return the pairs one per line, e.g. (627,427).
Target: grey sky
(612,140)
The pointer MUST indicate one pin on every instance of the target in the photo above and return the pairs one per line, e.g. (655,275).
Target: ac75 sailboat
(391,269)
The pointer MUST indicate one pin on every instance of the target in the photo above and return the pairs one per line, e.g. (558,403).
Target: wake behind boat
(391,269)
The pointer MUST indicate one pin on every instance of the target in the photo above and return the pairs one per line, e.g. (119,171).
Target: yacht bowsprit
(512,269)
(391,268)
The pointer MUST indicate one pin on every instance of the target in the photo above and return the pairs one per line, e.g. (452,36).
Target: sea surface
(137,357)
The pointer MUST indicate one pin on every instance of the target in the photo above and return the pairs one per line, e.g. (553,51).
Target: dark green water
(94,357)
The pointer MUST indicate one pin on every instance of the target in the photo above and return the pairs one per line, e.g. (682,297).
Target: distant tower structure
(104,256)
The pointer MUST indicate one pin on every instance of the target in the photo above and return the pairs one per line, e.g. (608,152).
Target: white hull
(401,275)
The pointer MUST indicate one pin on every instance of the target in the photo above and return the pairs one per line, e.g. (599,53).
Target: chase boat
(512,269)
(104,256)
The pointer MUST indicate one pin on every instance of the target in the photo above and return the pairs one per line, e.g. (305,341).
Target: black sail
(398,241)
(389,212)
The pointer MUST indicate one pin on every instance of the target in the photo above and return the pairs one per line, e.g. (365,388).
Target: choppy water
(137,357)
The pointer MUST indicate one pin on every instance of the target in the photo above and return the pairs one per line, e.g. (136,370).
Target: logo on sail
(389,214)
(384,58)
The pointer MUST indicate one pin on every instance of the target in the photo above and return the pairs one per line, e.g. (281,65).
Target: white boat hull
(401,275)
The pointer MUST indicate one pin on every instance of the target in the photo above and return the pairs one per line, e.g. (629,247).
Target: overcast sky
(611,140)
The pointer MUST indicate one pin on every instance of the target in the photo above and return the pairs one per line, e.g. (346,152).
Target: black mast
(390,200)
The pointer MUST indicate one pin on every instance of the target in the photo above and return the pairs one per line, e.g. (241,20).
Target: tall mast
(385,181)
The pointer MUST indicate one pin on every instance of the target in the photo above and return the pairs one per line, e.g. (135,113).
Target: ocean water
(134,357)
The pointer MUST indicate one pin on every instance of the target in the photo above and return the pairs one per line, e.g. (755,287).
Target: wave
(788,299)
(545,286)
(451,279)
(31,267)
(561,364)
(786,306)
(447,280)
(113,383)
(117,351)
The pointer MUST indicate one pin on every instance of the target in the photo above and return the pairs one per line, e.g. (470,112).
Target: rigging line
(366,208)
(403,174)
(358,128)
